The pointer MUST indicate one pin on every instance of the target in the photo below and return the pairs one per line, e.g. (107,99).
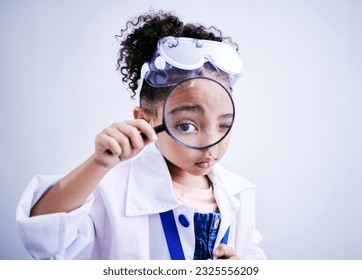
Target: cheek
(227,140)
(167,145)
(173,151)
(223,146)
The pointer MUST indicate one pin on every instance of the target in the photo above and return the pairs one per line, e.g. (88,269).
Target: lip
(207,163)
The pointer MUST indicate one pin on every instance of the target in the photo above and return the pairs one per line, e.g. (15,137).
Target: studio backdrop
(297,134)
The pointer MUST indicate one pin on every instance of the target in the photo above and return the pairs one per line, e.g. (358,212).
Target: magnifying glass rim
(180,142)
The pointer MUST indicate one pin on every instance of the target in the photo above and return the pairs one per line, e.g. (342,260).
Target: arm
(119,142)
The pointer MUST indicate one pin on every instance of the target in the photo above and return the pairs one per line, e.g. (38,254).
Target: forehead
(199,91)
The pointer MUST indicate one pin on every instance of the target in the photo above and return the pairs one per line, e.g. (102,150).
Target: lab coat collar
(150,189)
(226,186)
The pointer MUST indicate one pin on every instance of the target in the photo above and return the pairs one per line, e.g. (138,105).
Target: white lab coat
(120,219)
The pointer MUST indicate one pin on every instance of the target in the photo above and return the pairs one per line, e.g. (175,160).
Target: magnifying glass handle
(157,129)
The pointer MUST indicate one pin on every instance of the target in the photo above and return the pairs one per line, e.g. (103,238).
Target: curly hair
(140,39)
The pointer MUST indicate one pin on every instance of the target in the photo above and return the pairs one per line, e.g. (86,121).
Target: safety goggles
(180,58)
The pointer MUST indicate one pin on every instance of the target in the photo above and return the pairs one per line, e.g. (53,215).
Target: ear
(142,113)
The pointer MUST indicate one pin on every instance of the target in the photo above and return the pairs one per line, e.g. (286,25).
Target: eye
(225,126)
(186,127)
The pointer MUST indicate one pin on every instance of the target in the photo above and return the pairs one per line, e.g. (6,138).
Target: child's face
(193,161)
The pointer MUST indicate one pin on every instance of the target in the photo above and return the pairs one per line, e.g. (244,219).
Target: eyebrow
(197,108)
(192,108)
(226,116)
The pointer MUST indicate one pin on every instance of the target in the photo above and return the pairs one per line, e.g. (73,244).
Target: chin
(200,172)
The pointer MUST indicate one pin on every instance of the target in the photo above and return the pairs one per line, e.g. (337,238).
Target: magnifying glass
(198,113)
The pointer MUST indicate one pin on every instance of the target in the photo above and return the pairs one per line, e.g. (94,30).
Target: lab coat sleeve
(54,236)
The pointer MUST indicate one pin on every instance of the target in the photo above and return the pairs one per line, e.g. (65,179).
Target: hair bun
(140,37)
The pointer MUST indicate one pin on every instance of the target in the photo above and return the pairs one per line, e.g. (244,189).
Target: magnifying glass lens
(198,113)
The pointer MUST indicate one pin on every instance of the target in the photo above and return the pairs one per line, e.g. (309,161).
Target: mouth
(206,163)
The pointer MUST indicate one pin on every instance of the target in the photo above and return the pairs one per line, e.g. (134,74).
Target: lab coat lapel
(185,229)
(150,188)
(228,204)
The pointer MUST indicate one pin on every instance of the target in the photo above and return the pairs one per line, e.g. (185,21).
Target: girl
(143,195)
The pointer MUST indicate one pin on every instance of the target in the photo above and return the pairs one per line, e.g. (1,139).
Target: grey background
(298,130)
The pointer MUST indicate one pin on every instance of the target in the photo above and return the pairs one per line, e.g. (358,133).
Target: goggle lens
(180,58)
(189,54)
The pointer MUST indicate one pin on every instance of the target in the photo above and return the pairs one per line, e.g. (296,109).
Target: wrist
(99,165)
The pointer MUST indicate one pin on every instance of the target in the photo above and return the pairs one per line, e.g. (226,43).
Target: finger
(225,252)
(121,139)
(106,143)
(132,133)
(145,128)
(218,253)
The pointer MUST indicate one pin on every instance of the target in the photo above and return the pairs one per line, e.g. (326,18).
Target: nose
(210,135)
(209,150)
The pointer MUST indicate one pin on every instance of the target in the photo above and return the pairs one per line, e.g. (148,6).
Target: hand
(225,252)
(122,141)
